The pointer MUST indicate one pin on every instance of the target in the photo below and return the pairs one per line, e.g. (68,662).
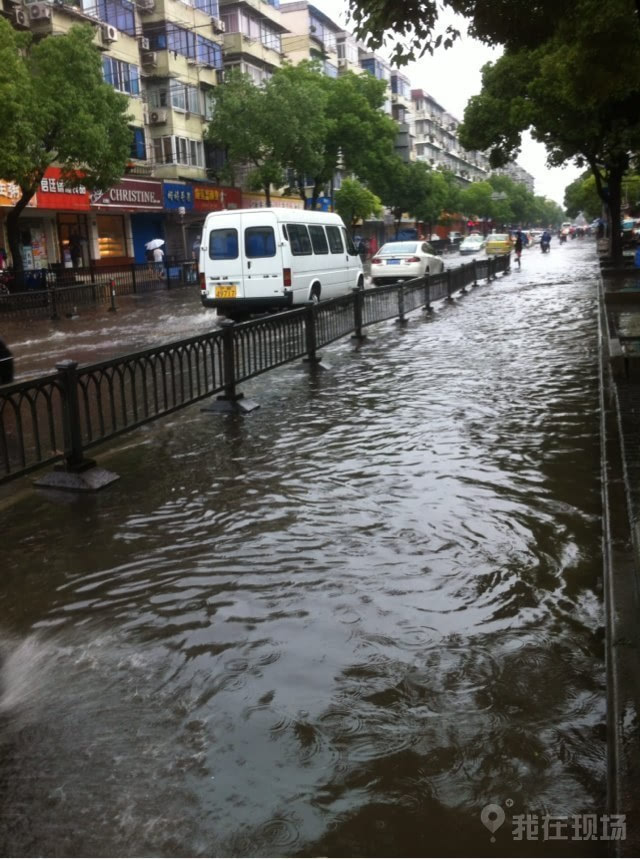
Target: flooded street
(340,625)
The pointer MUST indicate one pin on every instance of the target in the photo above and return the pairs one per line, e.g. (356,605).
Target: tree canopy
(414,27)
(302,124)
(574,94)
(55,107)
(354,202)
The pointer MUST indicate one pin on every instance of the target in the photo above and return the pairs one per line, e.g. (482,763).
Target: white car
(472,244)
(404,260)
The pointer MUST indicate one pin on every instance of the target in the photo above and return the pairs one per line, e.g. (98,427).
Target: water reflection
(341,625)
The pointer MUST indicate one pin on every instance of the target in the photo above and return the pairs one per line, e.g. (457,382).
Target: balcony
(265,10)
(238,43)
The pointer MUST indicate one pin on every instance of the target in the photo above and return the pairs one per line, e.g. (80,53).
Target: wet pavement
(341,625)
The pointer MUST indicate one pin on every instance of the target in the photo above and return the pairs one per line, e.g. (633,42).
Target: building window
(138,144)
(208,6)
(122,76)
(209,53)
(178,150)
(111,236)
(119,13)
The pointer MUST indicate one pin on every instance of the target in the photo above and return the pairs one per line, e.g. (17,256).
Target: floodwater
(340,625)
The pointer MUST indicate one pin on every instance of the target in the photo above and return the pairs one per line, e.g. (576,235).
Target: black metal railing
(54,292)
(60,416)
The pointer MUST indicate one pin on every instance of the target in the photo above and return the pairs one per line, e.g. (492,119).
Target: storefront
(120,233)
(179,223)
(66,219)
(36,235)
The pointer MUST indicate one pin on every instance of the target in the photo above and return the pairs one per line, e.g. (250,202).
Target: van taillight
(286,276)
(203,282)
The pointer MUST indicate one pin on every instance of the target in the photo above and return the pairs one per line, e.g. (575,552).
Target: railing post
(401,317)
(310,333)
(92,271)
(228,360)
(51,295)
(74,459)
(448,273)
(427,295)
(112,289)
(358,306)
(475,272)
(133,278)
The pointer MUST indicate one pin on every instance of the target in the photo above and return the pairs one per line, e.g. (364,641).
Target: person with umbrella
(155,246)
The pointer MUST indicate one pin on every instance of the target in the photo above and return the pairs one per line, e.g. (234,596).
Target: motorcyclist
(545,241)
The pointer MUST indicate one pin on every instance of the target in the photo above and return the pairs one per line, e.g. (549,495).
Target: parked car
(473,244)
(498,243)
(404,260)
(455,236)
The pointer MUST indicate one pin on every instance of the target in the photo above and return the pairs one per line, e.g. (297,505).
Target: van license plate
(228,290)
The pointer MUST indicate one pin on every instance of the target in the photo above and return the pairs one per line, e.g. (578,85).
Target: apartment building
(253,37)
(312,36)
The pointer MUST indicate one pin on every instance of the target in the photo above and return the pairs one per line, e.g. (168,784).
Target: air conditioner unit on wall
(157,117)
(218,25)
(144,44)
(149,58)
(19,18)
(109,33)
(39,12)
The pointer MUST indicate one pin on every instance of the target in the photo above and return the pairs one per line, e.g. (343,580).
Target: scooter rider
(545,241)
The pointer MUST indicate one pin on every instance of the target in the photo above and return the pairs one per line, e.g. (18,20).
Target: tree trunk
(13,234)
(614,205)
(267,194)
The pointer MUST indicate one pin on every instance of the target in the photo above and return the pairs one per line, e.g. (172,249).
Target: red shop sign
(54,194)
(130,194)
(212,198)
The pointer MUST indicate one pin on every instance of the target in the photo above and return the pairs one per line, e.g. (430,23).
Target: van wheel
(315,293)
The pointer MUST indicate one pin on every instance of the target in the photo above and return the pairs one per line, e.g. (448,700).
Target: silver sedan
(404,260)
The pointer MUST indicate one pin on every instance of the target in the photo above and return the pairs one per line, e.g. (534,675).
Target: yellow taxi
(498,243)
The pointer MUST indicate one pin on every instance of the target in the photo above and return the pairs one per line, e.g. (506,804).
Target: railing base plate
(90,480)
(224,406)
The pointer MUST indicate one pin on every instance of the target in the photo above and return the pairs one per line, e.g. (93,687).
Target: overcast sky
(452,76)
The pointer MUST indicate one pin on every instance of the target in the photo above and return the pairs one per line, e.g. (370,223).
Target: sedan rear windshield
(399,248)
(498,237)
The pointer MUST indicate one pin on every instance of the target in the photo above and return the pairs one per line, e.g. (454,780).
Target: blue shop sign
(176,195)
(323,204)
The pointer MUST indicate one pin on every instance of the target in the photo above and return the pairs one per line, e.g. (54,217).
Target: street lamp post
(181,213)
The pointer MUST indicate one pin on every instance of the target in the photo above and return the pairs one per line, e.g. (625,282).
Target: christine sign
(130,194)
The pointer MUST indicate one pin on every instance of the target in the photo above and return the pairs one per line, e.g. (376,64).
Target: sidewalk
(619,303)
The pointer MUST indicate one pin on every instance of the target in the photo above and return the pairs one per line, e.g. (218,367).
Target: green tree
(574,95)
(415,27)
(56,108)
(411,188)
(354,202)
(356,135)
(263,129)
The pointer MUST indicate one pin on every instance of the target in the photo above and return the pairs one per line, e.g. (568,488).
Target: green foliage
(573,92)
(354,202)
(302,121)
(414,27)
(56,107)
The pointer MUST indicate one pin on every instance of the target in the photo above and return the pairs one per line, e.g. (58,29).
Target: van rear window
(335,240)
(259,242)
(223,244)
(299,239)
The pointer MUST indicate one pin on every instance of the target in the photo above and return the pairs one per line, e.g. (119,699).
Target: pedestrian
(518,245)
(158,261)
(75,249)
(373,246)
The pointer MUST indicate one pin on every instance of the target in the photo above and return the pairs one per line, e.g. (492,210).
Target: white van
(254,260)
